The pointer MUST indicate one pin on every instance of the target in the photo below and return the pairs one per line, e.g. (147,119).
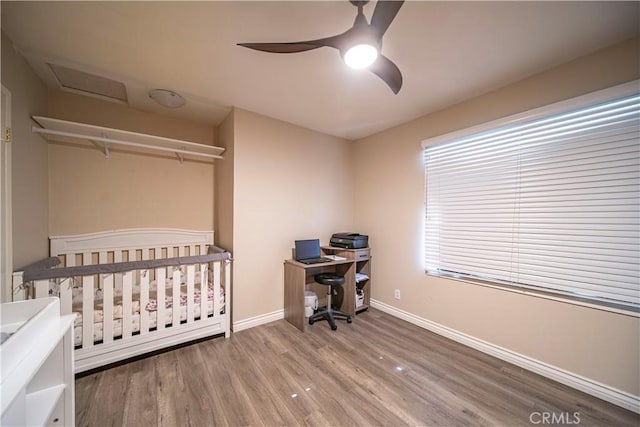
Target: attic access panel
(89,83)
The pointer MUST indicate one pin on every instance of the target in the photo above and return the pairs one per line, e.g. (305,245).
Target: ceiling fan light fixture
(360,46)
(360,56)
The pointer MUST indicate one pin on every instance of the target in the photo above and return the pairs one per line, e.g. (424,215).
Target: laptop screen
(306,249)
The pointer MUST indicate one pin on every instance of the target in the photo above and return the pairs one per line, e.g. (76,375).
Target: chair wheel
(349,319)
(311,321)
(334,327)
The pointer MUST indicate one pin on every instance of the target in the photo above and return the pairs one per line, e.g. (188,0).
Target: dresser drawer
(354,254)
(361,254)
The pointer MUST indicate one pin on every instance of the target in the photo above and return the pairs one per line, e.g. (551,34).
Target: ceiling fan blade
(280,47)
(387,71)
(383,15)
(294,47)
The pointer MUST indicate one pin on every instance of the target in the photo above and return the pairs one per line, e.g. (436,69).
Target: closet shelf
(63,130)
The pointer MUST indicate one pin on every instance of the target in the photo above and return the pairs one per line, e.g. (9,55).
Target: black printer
(349,240)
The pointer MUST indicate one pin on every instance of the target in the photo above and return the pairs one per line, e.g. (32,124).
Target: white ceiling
(447,52)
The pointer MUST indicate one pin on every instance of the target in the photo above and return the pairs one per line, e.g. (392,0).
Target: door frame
(6,224)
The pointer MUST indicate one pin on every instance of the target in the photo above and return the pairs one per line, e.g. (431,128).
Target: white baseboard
(258,320)
(594,388)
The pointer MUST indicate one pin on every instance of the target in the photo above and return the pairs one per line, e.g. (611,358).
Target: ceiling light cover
(360,56)
(167,98)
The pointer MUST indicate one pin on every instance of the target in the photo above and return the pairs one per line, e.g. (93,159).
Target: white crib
(133,291)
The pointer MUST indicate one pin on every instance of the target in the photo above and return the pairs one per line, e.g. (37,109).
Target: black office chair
(332,280)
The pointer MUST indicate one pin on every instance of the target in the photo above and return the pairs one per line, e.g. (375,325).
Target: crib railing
(185,289)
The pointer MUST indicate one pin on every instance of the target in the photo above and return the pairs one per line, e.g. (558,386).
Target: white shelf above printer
(104,137)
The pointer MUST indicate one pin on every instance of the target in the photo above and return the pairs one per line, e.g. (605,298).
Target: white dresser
(36,364)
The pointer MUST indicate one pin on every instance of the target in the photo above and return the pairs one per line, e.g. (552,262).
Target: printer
(349,240)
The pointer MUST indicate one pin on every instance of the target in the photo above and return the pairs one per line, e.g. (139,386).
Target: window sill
(568,299)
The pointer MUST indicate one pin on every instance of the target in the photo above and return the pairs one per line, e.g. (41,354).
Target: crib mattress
(151,307)
(78,290)
(98,327)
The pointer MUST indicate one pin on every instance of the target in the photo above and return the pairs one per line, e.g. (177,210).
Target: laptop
(308,252)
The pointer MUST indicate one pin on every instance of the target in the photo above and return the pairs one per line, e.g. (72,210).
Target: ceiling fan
(359,46)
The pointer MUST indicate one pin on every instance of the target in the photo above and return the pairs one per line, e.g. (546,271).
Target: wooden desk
(297,275)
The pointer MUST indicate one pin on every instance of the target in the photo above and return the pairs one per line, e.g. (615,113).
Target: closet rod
(37,129)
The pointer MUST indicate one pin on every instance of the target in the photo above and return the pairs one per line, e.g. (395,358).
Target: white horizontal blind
(552,203)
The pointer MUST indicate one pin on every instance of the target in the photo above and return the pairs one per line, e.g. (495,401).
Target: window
(548,200)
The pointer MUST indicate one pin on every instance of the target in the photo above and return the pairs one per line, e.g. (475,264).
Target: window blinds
(551,203)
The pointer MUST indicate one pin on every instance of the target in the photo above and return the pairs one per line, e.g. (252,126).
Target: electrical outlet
(396,294)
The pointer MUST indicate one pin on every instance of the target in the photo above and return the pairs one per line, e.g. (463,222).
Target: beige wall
(289,183)
(90,193)
(29,160)
(224,185)
(389,206)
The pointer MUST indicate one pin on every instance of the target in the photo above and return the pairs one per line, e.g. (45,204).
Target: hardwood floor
(378,371)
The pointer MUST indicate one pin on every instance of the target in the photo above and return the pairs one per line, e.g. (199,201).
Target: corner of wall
(29,159)
(224,183)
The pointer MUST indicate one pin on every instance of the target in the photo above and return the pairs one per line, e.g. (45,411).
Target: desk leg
(349,300)
(294,282)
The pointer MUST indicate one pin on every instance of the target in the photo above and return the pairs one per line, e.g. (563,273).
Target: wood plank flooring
(378,371)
